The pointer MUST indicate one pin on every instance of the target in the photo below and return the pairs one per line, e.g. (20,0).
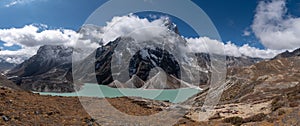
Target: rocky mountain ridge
(288,54)
(48,70)
(270,88)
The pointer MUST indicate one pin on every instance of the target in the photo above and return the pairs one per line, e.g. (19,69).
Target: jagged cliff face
(140,64)
(146,59)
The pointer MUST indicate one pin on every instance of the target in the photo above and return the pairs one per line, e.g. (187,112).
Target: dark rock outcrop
(146,59)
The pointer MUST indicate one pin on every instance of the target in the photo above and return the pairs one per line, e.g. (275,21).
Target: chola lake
(101,91)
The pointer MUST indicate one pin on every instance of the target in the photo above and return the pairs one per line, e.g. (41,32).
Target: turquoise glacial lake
(101,91)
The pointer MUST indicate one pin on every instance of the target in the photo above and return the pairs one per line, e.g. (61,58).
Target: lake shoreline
(102,91)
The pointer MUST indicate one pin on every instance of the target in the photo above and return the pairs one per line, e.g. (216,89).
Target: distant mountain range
(257,91)
(51,68)
(288,54)
(4,65)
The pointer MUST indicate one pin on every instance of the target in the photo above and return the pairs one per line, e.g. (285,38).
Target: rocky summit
(48,70)
(146,60)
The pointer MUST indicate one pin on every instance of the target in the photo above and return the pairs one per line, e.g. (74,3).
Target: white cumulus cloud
(128,25)
(207,45)
(274,27)
(18,56)
(31,37)
(20,2)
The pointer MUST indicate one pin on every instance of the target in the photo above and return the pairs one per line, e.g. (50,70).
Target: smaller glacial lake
(101,91)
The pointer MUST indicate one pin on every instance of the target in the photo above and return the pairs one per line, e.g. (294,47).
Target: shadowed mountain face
(140,64)
(146,59)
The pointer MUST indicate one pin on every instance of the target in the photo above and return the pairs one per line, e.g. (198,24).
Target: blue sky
(230,20)
(231,17)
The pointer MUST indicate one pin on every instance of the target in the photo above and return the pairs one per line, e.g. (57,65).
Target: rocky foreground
(26,108)
(267,93)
